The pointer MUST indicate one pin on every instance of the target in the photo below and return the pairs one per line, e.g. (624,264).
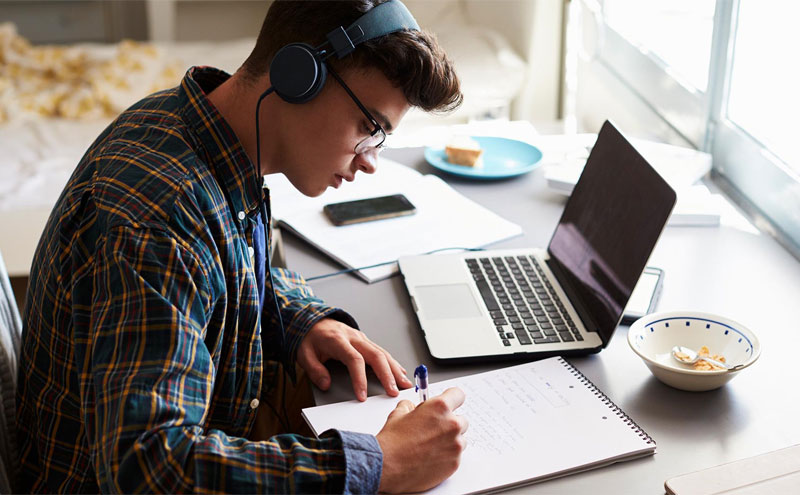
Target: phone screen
(365,210)
(645,295)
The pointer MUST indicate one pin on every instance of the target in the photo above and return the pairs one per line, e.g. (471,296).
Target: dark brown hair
(411,60)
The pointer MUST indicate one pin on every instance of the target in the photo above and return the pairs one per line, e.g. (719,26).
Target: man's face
(318,138)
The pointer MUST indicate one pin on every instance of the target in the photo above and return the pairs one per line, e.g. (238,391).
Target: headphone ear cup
(296,73)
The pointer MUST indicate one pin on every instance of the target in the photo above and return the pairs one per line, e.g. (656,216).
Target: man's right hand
(422,446)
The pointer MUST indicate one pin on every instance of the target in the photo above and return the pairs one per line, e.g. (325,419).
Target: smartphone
(366,210)
(644,298)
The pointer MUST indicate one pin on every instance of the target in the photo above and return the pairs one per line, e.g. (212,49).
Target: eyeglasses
(377,136)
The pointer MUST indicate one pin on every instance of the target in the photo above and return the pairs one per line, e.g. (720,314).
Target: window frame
(682,107)
(765,186)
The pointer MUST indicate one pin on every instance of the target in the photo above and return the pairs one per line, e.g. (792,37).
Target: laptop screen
(608,230)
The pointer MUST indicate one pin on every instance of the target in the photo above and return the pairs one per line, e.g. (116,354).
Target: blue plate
(501,158)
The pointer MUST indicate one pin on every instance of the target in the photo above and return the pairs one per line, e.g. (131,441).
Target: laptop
(566,299)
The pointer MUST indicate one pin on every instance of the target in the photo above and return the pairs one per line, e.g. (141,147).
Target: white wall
(204,20)
(533,28)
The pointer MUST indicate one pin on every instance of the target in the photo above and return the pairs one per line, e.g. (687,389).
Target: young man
(151,323)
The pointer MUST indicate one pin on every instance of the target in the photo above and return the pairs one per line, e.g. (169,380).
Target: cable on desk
(340,272)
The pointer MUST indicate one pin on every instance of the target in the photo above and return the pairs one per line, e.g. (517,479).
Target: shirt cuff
(363,461)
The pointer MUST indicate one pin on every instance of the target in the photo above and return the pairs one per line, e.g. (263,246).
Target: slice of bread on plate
(463,150)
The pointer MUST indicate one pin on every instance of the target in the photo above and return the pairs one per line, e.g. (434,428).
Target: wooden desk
(723,270)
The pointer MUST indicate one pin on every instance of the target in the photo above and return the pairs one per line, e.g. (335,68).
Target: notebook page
(528,422)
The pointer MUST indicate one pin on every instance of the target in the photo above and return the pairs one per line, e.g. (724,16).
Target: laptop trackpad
(439,302)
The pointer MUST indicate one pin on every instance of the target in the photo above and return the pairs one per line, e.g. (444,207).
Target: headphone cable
(349,270)
(282,419)
(258,136)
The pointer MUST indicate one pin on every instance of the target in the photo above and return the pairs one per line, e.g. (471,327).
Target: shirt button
(254,404)
(251,251)
(241,215)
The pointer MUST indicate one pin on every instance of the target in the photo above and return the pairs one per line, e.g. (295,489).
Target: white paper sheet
(444,219)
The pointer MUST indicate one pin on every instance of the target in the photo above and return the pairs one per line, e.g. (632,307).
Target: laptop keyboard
(521,301)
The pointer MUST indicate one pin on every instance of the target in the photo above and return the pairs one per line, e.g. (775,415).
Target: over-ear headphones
(298,70)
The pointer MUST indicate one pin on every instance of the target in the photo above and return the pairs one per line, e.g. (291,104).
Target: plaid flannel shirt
(143,354)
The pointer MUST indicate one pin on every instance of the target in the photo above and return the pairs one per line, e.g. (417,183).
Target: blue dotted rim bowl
(653,336)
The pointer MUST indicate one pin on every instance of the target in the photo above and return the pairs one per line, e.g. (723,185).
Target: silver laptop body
(567,299)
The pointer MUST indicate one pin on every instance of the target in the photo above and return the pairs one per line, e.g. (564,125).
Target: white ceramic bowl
(653,336)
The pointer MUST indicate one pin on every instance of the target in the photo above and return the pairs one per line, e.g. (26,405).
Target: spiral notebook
(528,423)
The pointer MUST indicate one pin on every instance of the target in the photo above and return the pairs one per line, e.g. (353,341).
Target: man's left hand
(332,339)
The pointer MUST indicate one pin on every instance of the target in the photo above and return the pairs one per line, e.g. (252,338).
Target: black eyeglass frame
(363,146)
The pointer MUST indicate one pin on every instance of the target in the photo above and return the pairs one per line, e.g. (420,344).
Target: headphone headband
(379,21)
(298,71)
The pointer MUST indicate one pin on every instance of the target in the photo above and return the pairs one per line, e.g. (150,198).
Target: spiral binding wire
(608,402)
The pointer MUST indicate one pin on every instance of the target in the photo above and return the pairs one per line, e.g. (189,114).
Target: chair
(10,334)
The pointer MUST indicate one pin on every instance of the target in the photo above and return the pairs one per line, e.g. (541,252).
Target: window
(764,81)
(676,33)
(721,76)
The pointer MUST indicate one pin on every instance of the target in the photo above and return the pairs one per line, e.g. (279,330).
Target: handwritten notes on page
(444,219)
(527,423)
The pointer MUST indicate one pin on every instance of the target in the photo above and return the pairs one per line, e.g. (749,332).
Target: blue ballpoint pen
(421,380)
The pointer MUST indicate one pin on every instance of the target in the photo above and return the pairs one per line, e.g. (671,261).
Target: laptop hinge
(588,322)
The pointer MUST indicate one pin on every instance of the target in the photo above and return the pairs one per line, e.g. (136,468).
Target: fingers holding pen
(427,440)
(446,403)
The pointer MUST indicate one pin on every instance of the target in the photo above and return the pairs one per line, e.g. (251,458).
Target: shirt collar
(222,149)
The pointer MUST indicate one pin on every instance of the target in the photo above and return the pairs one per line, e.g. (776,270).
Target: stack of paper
(444,219)
(565,155)
(697,206)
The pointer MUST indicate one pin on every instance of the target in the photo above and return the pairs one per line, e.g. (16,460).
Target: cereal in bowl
(704,365)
